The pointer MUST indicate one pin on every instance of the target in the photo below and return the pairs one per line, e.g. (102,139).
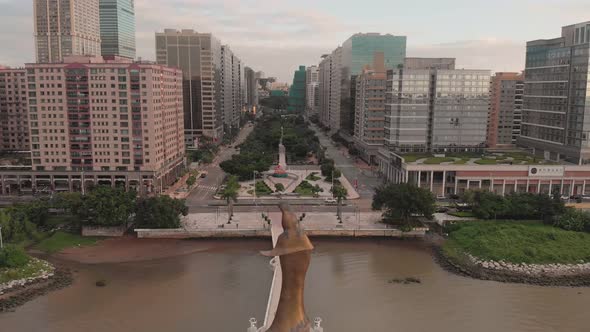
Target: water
(347,285)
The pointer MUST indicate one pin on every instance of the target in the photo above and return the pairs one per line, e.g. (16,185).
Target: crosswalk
(208,188)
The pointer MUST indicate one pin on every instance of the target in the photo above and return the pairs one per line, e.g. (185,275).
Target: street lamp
(1,243)
(254,178)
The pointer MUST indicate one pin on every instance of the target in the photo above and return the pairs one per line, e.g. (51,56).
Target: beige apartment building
(109,121)
(66,27)
(14,125)
(369,124)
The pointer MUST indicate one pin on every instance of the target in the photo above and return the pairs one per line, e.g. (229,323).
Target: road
(367,182)
(206,187)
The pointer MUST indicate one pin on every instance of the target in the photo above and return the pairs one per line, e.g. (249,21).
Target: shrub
(573,220)
(13,257)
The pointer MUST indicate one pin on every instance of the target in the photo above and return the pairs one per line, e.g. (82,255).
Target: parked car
(203,175)
(442,209)
(330,201)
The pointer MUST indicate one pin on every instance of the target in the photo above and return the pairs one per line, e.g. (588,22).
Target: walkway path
(277,280)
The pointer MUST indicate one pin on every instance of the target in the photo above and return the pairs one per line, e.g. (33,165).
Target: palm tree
(230,195)
(340,193)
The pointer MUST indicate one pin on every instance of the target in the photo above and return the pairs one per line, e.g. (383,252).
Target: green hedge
(13,257)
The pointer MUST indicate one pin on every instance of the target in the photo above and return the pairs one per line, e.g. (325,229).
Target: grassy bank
(32,269)
(61,240)
(514,242)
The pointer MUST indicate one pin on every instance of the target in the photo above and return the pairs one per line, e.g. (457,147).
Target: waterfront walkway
(277,280)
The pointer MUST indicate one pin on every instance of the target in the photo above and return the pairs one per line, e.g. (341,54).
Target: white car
(331,201)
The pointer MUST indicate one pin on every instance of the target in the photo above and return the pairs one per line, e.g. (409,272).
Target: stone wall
(103,231)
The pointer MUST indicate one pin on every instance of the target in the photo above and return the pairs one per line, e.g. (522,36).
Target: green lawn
(411,158)
(486,161)
(518,242)
(462,214)
(34,268)
(61,240)
(438,160)
(313,177)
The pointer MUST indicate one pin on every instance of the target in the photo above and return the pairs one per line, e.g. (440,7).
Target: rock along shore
(557,275)
(23,291)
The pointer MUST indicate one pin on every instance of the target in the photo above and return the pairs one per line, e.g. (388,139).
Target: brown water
(347,283)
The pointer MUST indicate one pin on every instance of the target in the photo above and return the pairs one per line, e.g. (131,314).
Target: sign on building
(546,171)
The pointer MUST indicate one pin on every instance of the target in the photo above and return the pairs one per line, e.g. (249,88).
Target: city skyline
(258,30)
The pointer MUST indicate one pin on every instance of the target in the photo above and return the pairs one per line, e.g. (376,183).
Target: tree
(340,194)
(279,187)
(70,201)
(230,195)
(404,202)
(160,212)
(190,182)
(106,206)
(317,190)
(36,212)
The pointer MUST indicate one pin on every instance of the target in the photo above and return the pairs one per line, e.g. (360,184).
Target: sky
(276,36)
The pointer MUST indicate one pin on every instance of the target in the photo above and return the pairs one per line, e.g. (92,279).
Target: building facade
(505,117)
(297,91)
(348,61)
(14,122)
(370,109)
(436,111)
(199,57)
(251,89)
(429,63)
(113,119)
(66,27)
(312,90)
(117,28)
(556,110)
(230,98)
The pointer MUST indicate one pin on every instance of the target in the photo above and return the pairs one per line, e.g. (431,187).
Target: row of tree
(102,206)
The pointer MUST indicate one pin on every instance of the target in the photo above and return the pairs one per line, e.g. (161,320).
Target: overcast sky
(276,36)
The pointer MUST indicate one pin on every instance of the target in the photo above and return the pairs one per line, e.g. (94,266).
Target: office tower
(14,125)
(251,89)
(505,110)
(429,63)
(66,27)
(346,62)
(198,55)
(230,97)
(297,91)
(370,109)
(312,93)
(104,115)
(438,111)
(555,115)
(117,28)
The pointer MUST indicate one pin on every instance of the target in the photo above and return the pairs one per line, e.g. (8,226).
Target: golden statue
(294,251)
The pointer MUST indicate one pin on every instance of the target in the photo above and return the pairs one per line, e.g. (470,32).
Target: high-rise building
(198,55)
(14,124)
(297,91)
(505,109)
(117,28)
(312,89)
(112,118)
(370,109)
(556,110)
(348,61)
(432,110)
(66,27)
(251,89)
(230,97)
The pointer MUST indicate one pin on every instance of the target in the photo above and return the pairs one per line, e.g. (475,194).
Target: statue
(294,251)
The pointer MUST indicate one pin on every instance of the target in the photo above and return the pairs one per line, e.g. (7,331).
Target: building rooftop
(474,158)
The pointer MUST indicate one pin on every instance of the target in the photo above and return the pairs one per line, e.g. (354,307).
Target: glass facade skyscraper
(117,28)
(556,110)
(297,91)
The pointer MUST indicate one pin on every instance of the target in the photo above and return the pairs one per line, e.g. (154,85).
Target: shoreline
(18,296)
(506,276)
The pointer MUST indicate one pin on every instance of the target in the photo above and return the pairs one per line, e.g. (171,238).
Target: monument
(293,248)
(281,170)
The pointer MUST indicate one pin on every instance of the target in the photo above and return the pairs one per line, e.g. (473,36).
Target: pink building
(109,120)
(14,127)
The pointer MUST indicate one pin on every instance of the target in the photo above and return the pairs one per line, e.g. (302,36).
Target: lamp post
(254,178)
(1,243)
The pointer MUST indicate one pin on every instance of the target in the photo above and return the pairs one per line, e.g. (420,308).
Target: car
(330,201)
(203,175)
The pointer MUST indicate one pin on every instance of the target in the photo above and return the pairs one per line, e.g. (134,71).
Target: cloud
(490,53)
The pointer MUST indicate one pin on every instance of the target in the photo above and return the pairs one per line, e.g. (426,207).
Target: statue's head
(293,239)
